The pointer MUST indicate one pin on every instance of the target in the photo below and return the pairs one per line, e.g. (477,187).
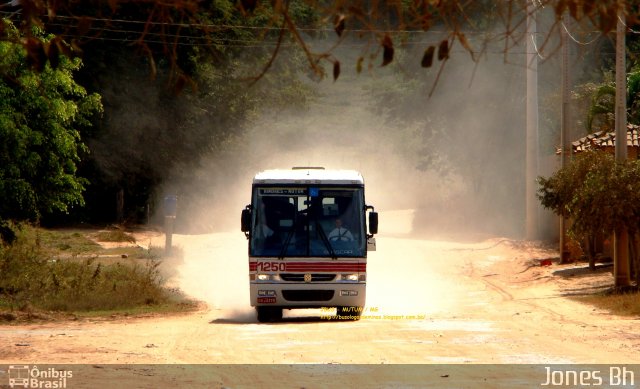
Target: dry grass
(66,271)
(625,304)
(115,236)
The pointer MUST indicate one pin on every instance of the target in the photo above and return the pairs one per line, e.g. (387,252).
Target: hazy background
(456,159)
(449,166)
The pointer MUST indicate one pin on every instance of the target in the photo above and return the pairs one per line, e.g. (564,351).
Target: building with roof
(606,140)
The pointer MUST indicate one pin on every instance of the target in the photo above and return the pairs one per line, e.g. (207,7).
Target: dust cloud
(448,167)
(475,129)
(455,159)
(214,269)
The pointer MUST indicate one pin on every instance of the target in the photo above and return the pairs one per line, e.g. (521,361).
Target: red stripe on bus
(317,266)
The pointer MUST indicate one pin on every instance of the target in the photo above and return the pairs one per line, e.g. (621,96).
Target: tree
(598,195)
(600,113)
(157,129)
(42,115)
(382,24)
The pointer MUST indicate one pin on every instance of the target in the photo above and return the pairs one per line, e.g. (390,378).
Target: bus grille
(315,277)
(307,295)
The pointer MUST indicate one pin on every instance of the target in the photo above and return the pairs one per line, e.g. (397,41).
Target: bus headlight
(349,277)
(263,277)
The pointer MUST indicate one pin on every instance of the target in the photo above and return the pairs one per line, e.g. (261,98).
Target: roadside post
(170,208)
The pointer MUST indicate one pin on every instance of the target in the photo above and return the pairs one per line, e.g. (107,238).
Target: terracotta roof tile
(605,139)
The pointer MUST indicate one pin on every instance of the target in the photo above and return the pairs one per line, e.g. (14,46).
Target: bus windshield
(312,221)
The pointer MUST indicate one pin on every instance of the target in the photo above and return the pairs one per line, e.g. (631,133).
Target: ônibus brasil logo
(26,376)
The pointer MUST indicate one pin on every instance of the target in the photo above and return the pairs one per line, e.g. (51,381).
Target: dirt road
(428,302)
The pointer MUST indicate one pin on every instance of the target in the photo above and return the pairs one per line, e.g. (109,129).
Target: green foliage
(151,135)
(633,98)
(41,118)
(596,193)
(601,110)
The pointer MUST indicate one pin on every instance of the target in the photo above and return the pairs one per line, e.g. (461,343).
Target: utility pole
(621,269)
(531,168)
(565,132)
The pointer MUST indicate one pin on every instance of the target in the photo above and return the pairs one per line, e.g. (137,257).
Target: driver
(340,233)
(263,235)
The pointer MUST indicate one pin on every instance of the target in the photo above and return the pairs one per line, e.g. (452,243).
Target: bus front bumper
(290,295)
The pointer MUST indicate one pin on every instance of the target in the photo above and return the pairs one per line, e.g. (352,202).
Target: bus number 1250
(271,266)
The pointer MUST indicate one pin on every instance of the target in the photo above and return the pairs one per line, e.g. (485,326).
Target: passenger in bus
(340,233)
(263,231)
(263,236)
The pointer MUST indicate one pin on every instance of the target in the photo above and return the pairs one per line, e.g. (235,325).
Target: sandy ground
(436,304)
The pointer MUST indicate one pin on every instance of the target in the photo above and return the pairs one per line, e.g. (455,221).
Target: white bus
(308,241)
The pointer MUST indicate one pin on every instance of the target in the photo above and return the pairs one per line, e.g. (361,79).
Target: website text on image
(308,241)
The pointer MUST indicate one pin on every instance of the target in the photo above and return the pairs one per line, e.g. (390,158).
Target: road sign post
(170,211)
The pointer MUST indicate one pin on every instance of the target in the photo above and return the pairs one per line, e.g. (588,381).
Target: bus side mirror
(373,223)
(245,220)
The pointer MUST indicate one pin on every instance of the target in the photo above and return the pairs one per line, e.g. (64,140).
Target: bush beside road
(84,271)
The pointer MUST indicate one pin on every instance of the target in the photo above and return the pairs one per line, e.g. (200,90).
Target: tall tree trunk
(120,205)
(591,250)
(635,258)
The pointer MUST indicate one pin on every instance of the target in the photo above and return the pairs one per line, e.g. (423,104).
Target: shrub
(597,194)
(30,276)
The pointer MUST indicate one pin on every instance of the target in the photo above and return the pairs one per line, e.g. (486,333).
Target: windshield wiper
(287,241)
(325,240)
